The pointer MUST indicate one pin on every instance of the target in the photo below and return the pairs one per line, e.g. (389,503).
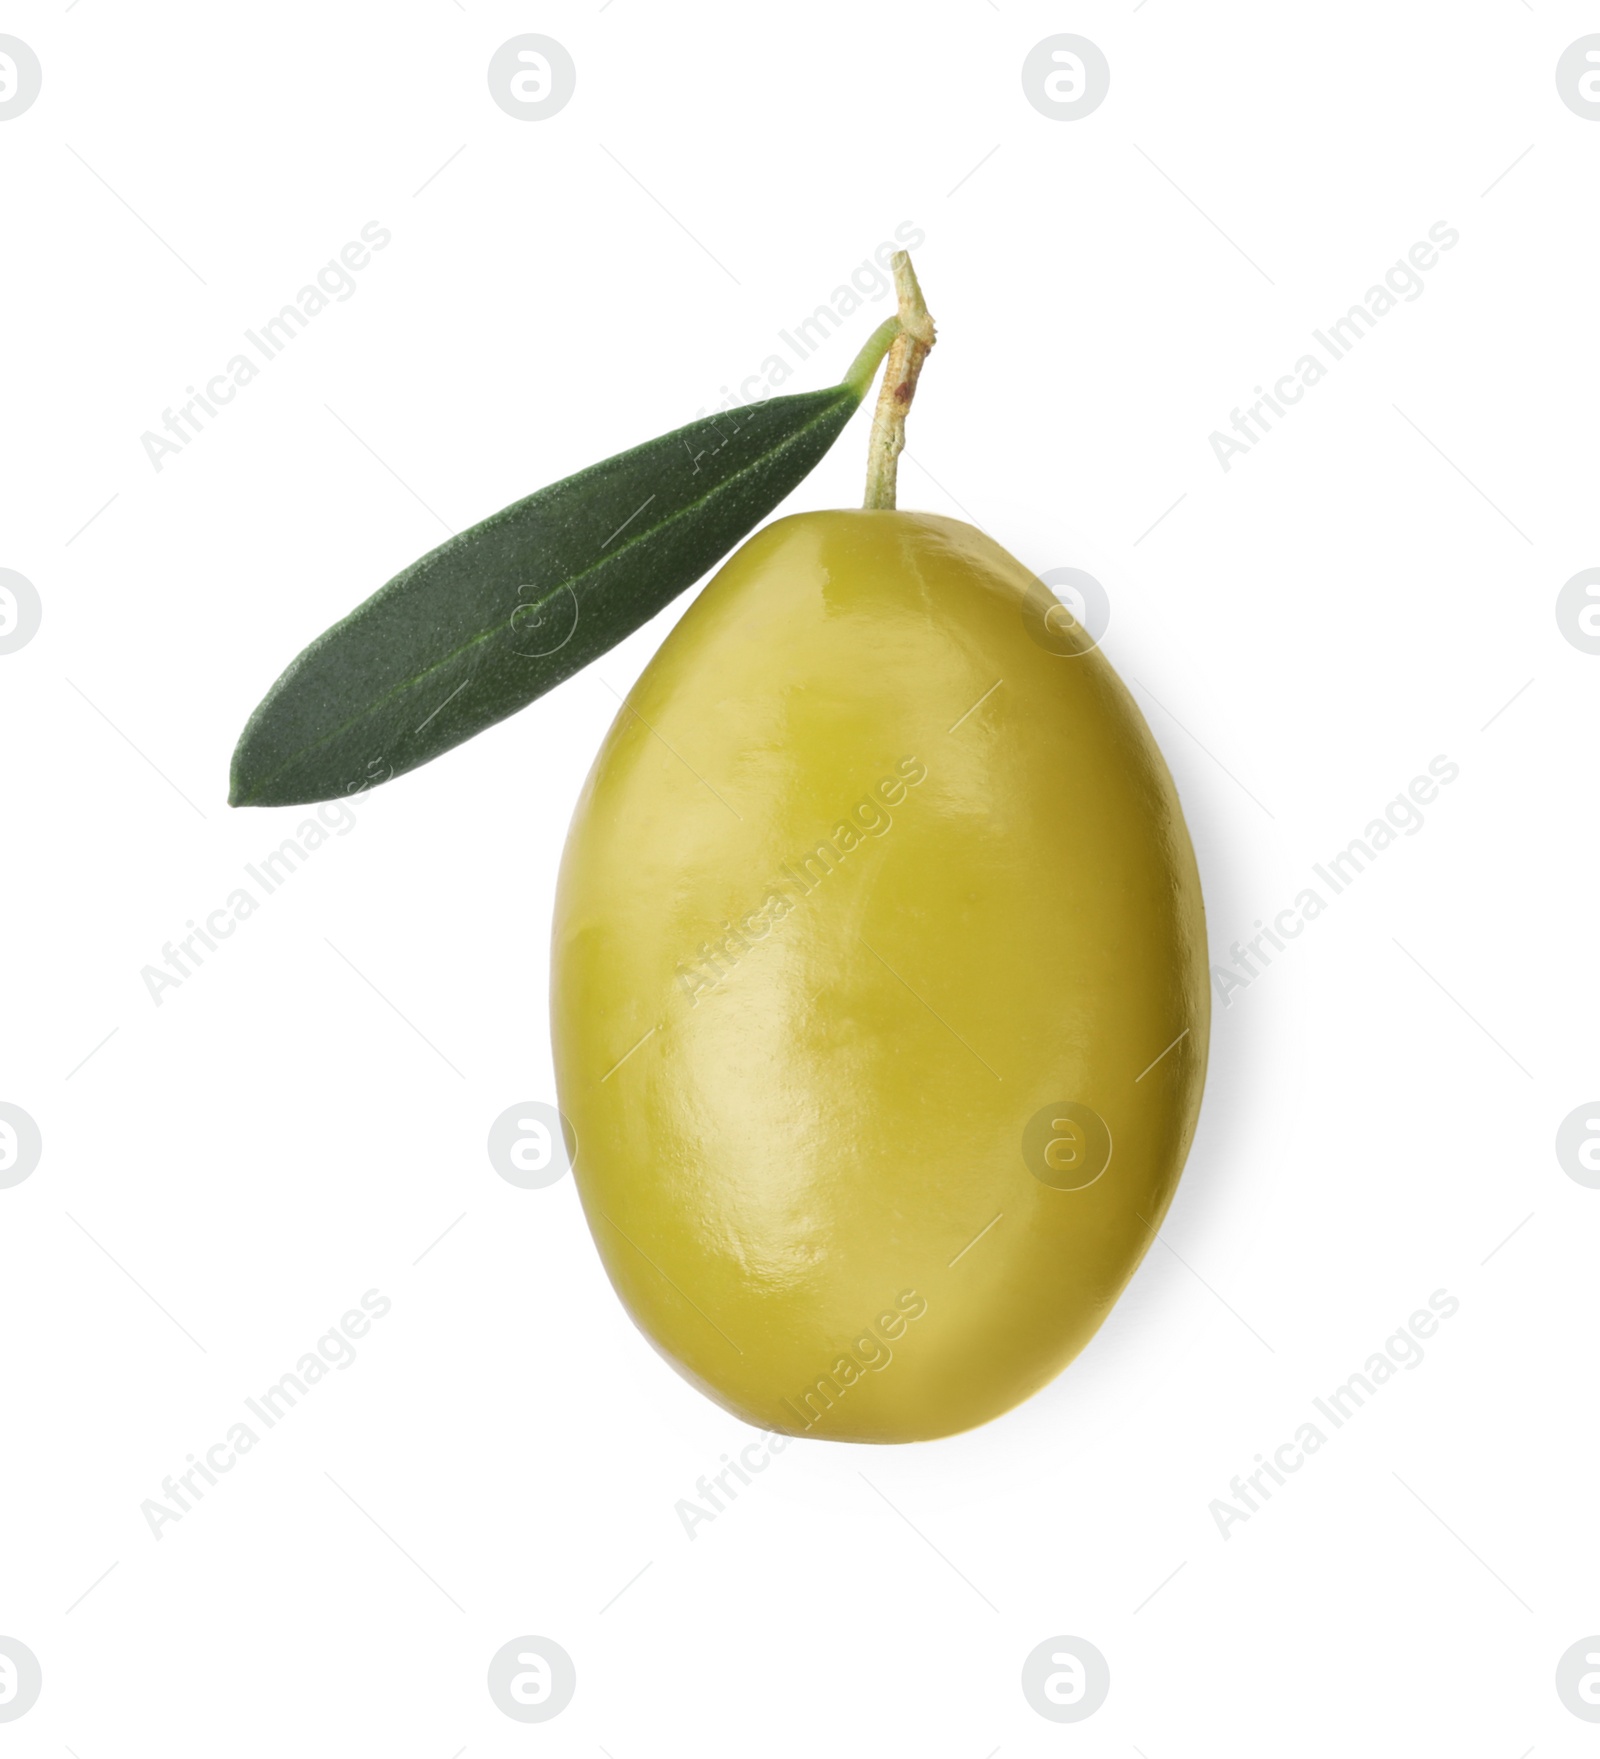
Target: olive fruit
(879,983)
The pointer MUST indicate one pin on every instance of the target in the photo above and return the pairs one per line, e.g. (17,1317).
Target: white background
(227,1172)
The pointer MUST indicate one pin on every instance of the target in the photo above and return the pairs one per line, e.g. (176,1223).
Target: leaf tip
(240,791)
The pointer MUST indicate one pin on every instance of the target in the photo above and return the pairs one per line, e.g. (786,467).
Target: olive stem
(864,368)
(906,354)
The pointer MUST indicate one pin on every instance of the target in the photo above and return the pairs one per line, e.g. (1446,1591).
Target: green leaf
(503,612)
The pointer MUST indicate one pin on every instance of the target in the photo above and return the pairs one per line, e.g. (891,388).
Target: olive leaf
(504,611)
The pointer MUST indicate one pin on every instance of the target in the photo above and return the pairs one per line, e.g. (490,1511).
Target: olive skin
(880,998)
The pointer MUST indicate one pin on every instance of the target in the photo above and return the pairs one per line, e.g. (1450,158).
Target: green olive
(879,984)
